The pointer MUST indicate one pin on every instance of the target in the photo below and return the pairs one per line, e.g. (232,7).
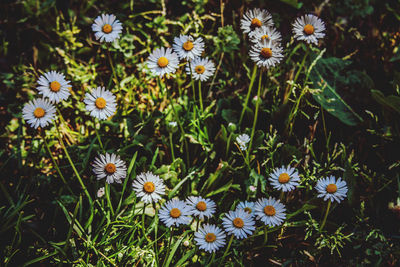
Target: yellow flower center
(175,213)
(266,52)
(248,210)
(162,62)
(100,103)
(149,187)
(110,168)
(284,178)
(107,28)
(55,86)
(256,23)
(210,237)
(201,206)
(265,36)
(200,69)
(269,210)
(331,188)
(188,45)
(39,113)
(309,29)
(238,222)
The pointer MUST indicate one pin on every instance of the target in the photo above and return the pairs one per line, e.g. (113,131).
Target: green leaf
(391,102)
(293,3)
(325,75)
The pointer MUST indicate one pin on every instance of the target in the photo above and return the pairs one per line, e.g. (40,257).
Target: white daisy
(266,53)
(38,112)
(100,103)
(107,28)
(174,212)
(111,167)
(255,18)
(149,187)
(210,238)
(188,48)
(265,33)
(201,207)
(162,61)
(329,188)
(238,223)
(201,69)
(247,206)
(285,179)
(309,28)
(270,211)
(242,141)
(54,86)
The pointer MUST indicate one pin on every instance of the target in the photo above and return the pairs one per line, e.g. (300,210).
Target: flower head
(255,18)
(329,188)
(309,28)
(200,69)
(100,103)
(270,211)
(174,213)
(247,206)
(163,61)
(238,223)
(106,28)
(54,86)
(111,167)
(266,54)
(38,112)
(242,141)
(265,33)
(201,207)
(285,179)
(210,238)
(187,47)
(149,187)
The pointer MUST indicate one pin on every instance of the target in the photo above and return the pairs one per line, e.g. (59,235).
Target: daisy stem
(107,188)
(171,144)
(281,197)
(98,136)
(226,250)
(212,259)
(253,129)
(169,245)
(253,77)
(265,234)
(326,215)
(197,225)
(286,99)
(200,97)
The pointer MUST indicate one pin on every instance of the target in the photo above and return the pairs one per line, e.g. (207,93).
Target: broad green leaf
(392,102)
(293,3)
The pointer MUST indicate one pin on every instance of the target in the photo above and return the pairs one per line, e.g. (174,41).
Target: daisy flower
(188,48)
(210,238)
(329,188)
(162,61)
(111,167)
(255,18)
(238,223)
(285,179)
(201,69)
(54,86)
(201,207)
(266,53)
(242,141)
(270,211)
(309,28)
(106,28)
(149,187)
(247,206)
(174,212)
(38,112)
(100,103)
(265,33)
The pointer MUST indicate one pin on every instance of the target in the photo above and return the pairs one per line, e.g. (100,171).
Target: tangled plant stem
(253,77)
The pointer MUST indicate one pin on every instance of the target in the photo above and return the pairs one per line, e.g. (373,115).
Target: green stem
(265,234)
(326,215)
(296,76)
(98,137)
(200,97)
(253,129)
(281,197)
(107,188)
(171,144)
(226,250)
(169,245)
(228,144)
(253,77)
